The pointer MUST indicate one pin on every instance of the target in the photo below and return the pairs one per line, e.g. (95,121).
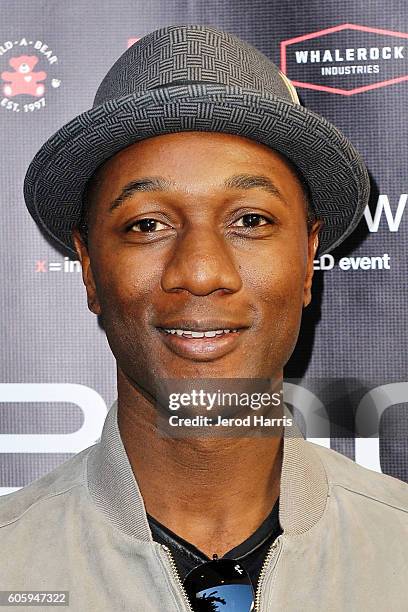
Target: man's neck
(214,493)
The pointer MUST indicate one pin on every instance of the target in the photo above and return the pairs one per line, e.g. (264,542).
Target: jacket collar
(114,489)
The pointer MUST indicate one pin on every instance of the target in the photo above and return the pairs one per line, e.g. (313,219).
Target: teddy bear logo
(23,80)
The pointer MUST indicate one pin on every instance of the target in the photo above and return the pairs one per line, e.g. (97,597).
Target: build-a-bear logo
(24,82)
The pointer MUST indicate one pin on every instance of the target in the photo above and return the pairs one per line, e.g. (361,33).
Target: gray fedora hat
(195,77)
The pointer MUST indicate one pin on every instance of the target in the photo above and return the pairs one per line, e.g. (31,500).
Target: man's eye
(252,220)
(149,225)
(145,225)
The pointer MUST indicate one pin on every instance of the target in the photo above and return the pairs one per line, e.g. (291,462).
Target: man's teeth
(195,334)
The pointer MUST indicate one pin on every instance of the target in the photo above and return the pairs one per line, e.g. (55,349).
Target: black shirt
(251,553)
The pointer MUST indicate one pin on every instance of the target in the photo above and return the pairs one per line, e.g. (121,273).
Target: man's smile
(207,344)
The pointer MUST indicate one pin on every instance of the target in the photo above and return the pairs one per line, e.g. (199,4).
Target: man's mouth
(211,333)
(200,342)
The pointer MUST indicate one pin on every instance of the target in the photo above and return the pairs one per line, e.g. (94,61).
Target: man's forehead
(242,182)
(192,145)
(138,168)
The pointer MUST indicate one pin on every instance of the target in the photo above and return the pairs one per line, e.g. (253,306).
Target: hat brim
(335,173)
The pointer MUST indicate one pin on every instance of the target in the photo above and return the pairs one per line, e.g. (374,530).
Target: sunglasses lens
(220,586)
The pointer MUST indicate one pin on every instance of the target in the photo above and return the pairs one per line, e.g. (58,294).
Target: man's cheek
(118,289)
(282,313)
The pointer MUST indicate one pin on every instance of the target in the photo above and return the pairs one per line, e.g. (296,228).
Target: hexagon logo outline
(338,90)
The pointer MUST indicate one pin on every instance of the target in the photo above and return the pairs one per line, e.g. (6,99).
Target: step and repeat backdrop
(349,62)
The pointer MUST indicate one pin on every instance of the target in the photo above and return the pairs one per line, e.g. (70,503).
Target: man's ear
(313,243)
(87,274)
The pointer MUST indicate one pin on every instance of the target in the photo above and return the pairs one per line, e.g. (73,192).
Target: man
(196,193)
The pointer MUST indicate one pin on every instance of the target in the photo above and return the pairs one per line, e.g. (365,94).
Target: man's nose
(202,262)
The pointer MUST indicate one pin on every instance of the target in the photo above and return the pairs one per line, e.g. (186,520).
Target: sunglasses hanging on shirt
(220,585)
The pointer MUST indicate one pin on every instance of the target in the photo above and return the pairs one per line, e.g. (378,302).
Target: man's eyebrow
(158,183)
(252,181)
(153,183)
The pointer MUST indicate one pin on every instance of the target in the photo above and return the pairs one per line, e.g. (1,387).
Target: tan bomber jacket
(82,528)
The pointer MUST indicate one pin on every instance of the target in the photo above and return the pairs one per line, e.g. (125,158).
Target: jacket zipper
(269,556)
(177,577)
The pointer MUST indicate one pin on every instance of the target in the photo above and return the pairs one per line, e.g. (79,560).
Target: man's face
(227,248)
